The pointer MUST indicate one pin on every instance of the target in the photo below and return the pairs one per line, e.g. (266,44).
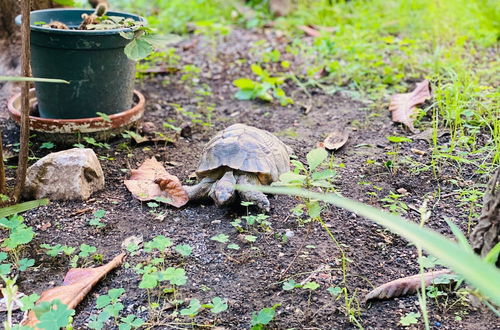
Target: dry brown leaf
(77,284)
(402,106)
(405,285)
(310,31)
(335,140)
(151,180)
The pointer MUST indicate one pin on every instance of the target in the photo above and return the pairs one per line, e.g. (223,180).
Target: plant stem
(25,119)
(3,185)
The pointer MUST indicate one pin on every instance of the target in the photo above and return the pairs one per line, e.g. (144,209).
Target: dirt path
(249,277)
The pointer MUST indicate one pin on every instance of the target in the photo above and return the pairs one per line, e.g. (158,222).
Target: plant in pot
(95,51)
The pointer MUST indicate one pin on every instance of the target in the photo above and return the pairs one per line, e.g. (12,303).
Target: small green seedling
(96,219)
(263,317)
(184,250)
(53,314)
(58,249)
(266,88)
(409,319)
(221,238)
(47,145)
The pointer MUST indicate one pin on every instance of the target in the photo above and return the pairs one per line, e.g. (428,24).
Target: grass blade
(21,207)
(13,78)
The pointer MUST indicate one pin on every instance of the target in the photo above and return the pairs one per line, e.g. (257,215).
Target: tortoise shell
(248,149)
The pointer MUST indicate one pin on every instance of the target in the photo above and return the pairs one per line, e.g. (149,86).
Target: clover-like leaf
(221,238)
(176,276)
(184,249)
(218,305)
(192,309)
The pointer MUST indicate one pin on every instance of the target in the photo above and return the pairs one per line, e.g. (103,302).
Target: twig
(283,273)
(25,119)
(3,186)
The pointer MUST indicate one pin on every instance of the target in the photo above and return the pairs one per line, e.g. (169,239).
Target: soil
(250,278)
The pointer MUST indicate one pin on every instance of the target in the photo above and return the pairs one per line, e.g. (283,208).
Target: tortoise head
(223,191)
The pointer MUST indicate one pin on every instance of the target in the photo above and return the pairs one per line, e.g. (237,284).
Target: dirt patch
(250,277)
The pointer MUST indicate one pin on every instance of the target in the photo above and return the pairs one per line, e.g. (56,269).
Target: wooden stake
(25,119)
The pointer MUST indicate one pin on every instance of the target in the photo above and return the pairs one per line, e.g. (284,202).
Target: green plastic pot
(101,76)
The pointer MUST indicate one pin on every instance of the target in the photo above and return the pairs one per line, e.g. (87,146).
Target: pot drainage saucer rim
(62,129)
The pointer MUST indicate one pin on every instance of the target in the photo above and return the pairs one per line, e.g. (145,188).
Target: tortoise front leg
(256,197)
(222,191)
(201,190)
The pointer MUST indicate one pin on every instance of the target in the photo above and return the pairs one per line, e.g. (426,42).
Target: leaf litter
(76,285)
(403,106)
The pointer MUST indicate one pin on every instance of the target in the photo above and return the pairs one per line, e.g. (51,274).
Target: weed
(392,202)
(318,174)
(92,142)
(266,88)
(409,319)
(111,308)
(47,145)
(18,235)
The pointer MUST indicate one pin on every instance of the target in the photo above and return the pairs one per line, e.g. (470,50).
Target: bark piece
(486,234)
(77,284)
(402,106)
(65,175)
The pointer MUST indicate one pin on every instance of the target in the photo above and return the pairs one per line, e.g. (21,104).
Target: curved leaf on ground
(77,284)
(402,106)
(405,285)
(152,182)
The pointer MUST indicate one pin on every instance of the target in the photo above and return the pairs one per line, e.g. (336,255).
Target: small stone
(216,222)
(289,233)
(65,175)
(136,240)
(402,191)
(148,128)
(186,131)
(418,151)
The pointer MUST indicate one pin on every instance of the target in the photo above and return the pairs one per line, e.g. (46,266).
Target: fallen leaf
(335,140)
(151,181)
(148,128)
(405,285)
(402,106)
(418,151)
(158,69)
(310,31)
(159,137)
(77,284)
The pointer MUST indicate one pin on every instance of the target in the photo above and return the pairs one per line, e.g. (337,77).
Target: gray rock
(65,175)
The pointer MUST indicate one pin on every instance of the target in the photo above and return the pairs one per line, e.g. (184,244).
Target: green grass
(381,47)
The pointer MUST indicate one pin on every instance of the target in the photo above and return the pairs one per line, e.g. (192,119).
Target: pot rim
(93,124)
(39,28)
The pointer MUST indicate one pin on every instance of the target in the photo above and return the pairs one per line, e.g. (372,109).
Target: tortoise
(240,154)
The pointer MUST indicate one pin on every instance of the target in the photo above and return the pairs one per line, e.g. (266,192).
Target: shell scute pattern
(247,149)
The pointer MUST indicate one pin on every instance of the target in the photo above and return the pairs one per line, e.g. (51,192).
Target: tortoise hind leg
(256,197)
